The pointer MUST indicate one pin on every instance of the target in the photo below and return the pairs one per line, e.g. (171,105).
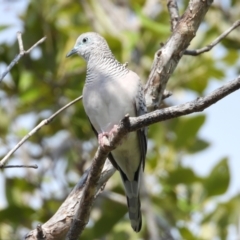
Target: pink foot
(113,131)
(101,140)
(102,137)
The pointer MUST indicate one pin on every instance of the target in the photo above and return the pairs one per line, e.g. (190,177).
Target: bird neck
(104,67)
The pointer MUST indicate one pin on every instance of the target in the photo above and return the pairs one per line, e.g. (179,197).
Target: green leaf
(3,27)
(17,214)
(186,234)
(231,57)
(182,175)
(218,180)
(186,131)
(198,146)
(149,24)
(26,80)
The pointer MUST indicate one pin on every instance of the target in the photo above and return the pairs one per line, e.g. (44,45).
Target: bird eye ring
(85,40)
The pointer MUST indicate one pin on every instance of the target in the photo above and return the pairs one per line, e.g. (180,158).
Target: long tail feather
(133,201)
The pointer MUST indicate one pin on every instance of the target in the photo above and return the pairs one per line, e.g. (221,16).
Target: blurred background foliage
(182,203)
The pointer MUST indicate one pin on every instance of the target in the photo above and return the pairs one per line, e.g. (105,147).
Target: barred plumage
(110,92)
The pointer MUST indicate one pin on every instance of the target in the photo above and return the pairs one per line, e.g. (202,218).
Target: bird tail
(133,201)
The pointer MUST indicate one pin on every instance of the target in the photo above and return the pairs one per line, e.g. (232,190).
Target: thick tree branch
(214,43)
(174,13)
(81,217)
(197,105)
(36,129)
(57,227)
(166,59)
(20,55)
(59,224)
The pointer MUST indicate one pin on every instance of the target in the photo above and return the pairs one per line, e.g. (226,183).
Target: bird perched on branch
(110,92)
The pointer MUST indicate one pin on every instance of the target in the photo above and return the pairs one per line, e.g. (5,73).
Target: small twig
(214,43)
(20,42)
(166,94)
(34,45)
(19,166)
(33,131)
(20,55)
(174,13)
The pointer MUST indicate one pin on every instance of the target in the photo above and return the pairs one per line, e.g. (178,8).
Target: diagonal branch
(214,43)
(20,55)
(197,105)
(60,223)
(36,129)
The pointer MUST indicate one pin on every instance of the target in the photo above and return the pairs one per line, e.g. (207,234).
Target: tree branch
(36,129)
(20,55)
(214,43)
(174,13)
(197,105)
(19,166)
(81,217)
(57,227)
(59,224)
(168,56)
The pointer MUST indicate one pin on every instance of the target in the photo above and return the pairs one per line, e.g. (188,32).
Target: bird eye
(85,40)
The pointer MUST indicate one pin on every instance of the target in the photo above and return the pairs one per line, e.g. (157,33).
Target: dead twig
(19,166)
(214,43)
(33,131)
(20,55)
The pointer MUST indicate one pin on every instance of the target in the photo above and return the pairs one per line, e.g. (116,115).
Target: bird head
(88,44)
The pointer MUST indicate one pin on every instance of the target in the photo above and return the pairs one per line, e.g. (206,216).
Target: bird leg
(105,137)
(113,131)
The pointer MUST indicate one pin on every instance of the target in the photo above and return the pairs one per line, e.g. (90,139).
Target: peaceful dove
(110,92)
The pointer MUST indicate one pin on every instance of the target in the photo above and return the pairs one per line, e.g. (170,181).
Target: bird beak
(73,51)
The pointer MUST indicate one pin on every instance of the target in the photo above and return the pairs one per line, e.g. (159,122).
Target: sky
(221,127)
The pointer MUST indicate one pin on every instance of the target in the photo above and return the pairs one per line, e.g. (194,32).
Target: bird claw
(113,131)
(104,138)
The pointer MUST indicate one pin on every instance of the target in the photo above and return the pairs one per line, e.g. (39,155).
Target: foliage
(45,80)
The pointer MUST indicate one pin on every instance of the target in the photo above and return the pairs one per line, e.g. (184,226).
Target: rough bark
(168,56)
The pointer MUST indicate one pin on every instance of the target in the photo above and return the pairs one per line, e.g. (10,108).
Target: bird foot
(105,137)
(113,131)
